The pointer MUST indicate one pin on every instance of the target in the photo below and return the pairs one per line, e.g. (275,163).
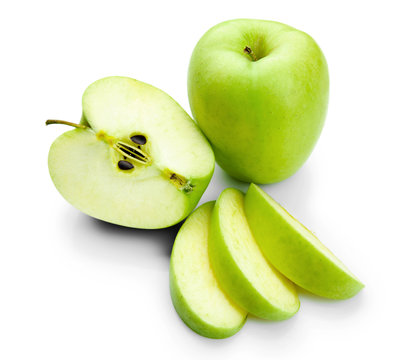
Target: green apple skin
(84,168)
(242,271)
(295,251)
(195,292)
(262,117)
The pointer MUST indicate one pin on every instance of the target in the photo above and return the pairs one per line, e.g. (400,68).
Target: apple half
(137,159)
(240,267)
(195,292)
(295,251)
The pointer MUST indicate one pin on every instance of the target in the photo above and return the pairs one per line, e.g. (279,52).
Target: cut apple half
(295,251)
(241,268)
(137,159)
(196,295)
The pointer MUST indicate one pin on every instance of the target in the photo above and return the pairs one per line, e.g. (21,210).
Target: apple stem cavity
(251,53)
(79,126)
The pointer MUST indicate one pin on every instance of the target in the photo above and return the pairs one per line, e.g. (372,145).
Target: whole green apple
(259,91)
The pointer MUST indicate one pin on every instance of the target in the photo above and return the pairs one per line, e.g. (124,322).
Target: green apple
(137,159)
(295,251)
(240,267)
(195,292)
(259,91)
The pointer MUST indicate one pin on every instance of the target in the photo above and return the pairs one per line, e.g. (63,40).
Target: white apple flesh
(156,187)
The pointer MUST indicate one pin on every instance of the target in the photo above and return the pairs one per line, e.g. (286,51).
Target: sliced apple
(137,159)
(196,295)
(240,267)
(295,251)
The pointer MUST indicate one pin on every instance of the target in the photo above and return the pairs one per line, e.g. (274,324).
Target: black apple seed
(125,165)
(139,139)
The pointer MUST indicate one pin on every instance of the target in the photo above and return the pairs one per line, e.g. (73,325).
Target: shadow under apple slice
(330,309)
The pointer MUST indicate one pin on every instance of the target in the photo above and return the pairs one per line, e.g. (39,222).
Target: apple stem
(250,52)
(48,122)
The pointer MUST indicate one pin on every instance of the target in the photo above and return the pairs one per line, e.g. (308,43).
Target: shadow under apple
(103,241)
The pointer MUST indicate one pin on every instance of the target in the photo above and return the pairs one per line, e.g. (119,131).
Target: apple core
(130,154)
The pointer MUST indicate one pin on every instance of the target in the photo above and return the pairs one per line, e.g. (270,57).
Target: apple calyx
(179,181)
(247,50)
(128,151)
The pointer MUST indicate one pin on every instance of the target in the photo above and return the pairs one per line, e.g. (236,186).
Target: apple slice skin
(231,276)
(192,315)
(288,249)
(262,117)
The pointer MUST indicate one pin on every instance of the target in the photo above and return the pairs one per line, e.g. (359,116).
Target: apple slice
(295,251)
(240,267)
(137,159)
(196,295)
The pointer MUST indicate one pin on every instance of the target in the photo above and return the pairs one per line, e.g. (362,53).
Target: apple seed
(125,165)
(139,139)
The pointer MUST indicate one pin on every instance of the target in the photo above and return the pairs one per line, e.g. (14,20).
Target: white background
(72,287)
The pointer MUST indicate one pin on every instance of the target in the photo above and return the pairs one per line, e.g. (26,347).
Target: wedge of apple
(196,295)
(137,159)
(240,267)
(295,251)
